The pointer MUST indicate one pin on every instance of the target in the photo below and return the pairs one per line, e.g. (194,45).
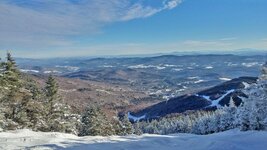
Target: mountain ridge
(198,101)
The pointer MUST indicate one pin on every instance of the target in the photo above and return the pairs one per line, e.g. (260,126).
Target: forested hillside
(23,104)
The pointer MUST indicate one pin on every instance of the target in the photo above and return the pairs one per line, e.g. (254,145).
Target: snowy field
(230,140)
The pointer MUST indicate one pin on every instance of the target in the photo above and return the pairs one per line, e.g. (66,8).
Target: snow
(246,85)
(142,66)
(26,71)
(217,101)
(190,68)
(199,81)
(180,90)
(225,79)
(53,71)
(168,90)
(231,64)
(206,97)
(134,118)
(192,78)
(70,68)
(168,97)
(209,67)
(251,64)
(108,66)
(160,68)
(233,139)
(168,65)
(177,69)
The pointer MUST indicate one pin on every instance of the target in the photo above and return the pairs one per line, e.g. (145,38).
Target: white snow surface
(134,118)
(229,140)
(246,85)
(27,70)
(199,81)
(209,67)
(142,66)
(217,101)
(225,79)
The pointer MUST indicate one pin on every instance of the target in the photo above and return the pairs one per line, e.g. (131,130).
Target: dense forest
(25,104)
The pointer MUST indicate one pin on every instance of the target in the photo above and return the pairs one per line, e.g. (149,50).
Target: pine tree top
(232,103)
(264,72)
(51,85)
(10,58)
(51,90)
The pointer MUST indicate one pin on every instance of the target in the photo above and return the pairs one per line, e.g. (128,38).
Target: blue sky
(38,28)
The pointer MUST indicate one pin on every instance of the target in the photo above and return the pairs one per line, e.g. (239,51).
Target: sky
(66,28)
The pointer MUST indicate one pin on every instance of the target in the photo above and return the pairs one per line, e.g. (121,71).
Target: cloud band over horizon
(46,28)
(35,23)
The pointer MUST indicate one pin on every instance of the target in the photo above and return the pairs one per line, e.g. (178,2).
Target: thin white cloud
(171,4)
(139,11)
(54,23)
(201,44)
(228,38)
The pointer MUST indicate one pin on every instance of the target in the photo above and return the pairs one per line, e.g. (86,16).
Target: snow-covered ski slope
(229,140)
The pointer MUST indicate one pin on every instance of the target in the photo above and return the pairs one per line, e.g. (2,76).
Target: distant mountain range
(168,83)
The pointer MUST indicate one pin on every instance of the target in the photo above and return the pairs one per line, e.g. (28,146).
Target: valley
(133,84)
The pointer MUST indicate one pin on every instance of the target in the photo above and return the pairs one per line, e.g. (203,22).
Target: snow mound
(233,139)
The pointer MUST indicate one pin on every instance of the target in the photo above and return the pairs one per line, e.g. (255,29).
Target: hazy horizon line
(245,51)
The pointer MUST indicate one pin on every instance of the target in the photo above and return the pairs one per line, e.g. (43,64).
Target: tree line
(250,115)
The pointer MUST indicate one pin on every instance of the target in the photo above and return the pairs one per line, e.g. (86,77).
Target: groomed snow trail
(229,140)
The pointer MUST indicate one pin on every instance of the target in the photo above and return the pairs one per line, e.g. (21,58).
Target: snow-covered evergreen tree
(52,95)
(94,122)
(126,126)
(10,75)
(253,113)
(59,117)
(137,129)
(264,72)
(23,105)
(228,116)
(206,123)
(15,97)
(2,119)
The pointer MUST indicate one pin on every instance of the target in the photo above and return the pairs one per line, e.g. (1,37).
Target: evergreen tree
(252,114)
(228,116)
(58,114)
(106,126)
(10,74)
(52,96)
(137,129)
(264,72)
(54,106)
(14,97)
(117,125)
(3,87)
(2,118)
(94,122)
(23,105)
(127,127)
